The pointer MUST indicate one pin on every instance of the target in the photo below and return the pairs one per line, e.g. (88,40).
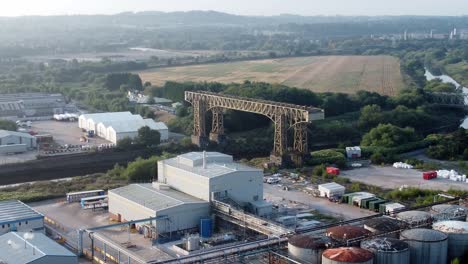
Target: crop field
(345,74)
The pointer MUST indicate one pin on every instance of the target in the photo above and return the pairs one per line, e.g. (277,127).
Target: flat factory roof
(28,247)
(155,199)
(217,164)
(13,211)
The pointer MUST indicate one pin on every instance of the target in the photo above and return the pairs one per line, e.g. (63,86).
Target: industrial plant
(204,207)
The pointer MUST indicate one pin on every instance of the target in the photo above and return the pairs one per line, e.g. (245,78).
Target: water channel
(447,79)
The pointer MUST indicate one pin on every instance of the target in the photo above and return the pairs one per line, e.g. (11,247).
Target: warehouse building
(118,125)
(331,189)
(33,248)
(23,105)
(118,131)
(214,175)
(17,216)
(16,142)
(141,201)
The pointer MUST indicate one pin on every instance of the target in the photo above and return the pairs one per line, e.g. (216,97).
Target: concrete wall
(164,134)
(186,182)
(128,210)
(241,186)
(21,226)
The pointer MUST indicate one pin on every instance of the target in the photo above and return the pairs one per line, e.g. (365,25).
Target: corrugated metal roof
(14,211)
(102,117)
(6,133)
(134,125)
(424,235)
(384,244)
(452,227)
(154,199)
(348,254)
(448,209)
(14,248)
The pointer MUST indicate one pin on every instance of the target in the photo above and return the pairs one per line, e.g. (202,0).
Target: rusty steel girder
(283,115)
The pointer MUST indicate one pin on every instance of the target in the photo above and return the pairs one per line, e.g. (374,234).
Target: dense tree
(7,125)
(387,135)
(371,115)
(148,137)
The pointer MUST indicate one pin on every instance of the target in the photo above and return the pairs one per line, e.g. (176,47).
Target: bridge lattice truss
(450,99)
(284,116)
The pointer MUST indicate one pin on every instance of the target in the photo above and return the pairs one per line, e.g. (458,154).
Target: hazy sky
(244,7)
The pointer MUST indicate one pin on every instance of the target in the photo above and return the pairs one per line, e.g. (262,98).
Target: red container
(333,171)
(429,175)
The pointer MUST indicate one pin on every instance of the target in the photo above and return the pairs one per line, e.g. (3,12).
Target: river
(447,79)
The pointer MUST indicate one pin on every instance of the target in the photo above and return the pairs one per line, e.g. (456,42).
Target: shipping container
(429,175)
(365,202)
(375,205)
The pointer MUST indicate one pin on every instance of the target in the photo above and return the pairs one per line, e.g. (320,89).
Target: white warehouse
(214,175)
(118,125)
(141,201)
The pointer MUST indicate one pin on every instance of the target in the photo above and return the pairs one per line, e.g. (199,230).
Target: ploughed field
(345,74)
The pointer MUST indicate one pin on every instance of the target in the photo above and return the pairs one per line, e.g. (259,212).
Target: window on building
(26,222)
(255,198)
(8,225)
(19,223)
(3,226)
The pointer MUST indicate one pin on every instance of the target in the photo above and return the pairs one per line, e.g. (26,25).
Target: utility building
(17,216)
(16,142)
(214,175)
(33,248)
(140,201)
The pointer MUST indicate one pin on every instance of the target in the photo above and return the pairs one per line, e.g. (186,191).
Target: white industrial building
(186,185)
(331,189)
(33,248)
(118,125)
(17,216)
(141,201)
(209,175)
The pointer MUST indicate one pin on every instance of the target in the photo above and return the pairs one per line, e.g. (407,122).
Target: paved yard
(276,194)
(390,178)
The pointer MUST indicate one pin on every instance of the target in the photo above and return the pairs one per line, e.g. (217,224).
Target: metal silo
(384,225)
(443,212)
(457,232)
(388,250)
(346,255)
(347,235)
(415,218)
(308,249)
(426,246)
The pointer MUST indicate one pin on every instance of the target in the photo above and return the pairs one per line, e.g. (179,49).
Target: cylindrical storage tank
(384,225)
(426,246)
(443,212)
(308,249)
(193,243)
(206,227)
(346,255)
(343,234)
(388,250)
(457,232)
(415,218)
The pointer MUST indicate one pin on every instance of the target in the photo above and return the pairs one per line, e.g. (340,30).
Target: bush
(327,156)
(387,135)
